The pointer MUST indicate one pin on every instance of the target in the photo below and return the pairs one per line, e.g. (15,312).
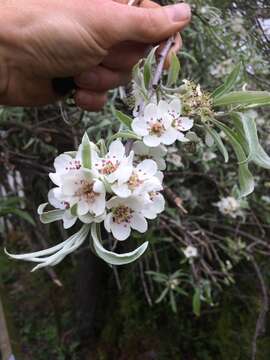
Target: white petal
(150,112)
(56,179)
(114,202)
(167,120)
(139,126)
(116,150)
(99,187)
(69,220)
(82,207)
(121,190)
(136,203)
(151,140)
(149,213)
(54,198)
(163,108)
(160,176)
(175,107)
(184,124)
(138,223)
(181,137)
(98,206)
(120,231)
(169,137)
(158,203)
(61,162)
(147,168)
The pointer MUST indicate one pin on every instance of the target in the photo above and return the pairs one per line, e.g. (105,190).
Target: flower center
(108,167)
(122,214)
(177,123)
(86,191)
(157,128)
(134,181)
(152,195)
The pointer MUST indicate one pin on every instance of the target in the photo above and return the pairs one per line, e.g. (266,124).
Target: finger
(89,100)
(101,79)
(125,55)
(144,25)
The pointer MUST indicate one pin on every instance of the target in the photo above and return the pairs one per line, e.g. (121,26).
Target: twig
(145,287)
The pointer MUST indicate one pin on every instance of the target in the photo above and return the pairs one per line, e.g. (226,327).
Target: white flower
(229,206)
(142,152)
(83,189)
(142,179)
(190,252)
(155,125)
(124,215)
(179,123)
(65,163)
(154,204)
(115,165)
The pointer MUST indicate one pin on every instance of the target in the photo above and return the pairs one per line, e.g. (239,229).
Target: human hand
(97,42)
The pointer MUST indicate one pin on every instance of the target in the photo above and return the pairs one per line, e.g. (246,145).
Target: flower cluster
(113,190)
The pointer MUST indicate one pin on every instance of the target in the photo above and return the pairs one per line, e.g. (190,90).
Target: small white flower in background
(173,157)
(190,252)
(142,152)
(142,179)
(124,215)
(208,156)
(115,165)
(229,206)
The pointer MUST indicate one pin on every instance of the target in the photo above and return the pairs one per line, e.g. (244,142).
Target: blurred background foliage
(165,306)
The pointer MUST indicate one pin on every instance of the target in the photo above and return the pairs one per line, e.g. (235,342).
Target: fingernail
(179,12)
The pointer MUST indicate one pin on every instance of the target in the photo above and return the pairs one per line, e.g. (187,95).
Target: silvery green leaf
(218,141)
(162,295)
(55,254)
(111,257)
(244,98)
(174,70)
(256,152)
(246,180)
(71,153)
(47,217)
(229,83)
(124,135)
(123,118)
(147,68)
(86,152)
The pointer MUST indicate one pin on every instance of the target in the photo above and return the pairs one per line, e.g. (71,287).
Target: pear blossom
(155,125)
(115,165)
(142,152)
(229,206)
(124,215)
(142,179)
(155,204)
(190,252)
(180,123)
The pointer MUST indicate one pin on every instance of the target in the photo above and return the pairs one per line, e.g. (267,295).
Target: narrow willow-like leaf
(174,70)
(229,83)
(55,254)
(244,98)
(147,68)
(123,118)
(86,152)
(196,302)
(218,141)
(47,217)
(125,135)
(246,180)
(257,153)
(111,257)
(24,215)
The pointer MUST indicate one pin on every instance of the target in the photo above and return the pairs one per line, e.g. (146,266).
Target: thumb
(146,25)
